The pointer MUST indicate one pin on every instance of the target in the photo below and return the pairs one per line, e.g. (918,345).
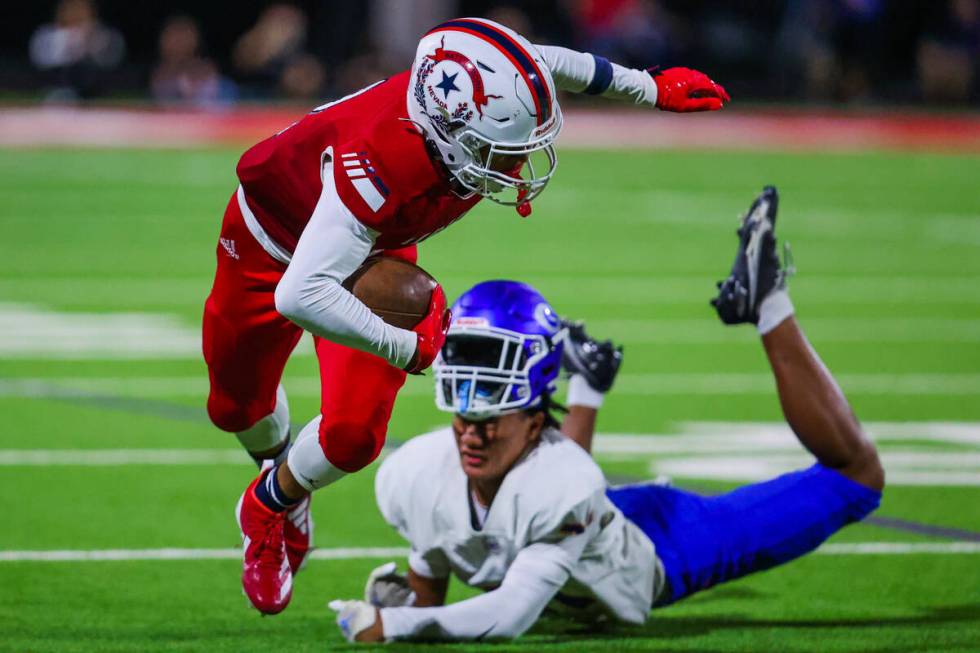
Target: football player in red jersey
(374,173)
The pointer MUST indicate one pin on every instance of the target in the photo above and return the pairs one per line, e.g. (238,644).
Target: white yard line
(166,294)
(956,384)
(769,433)
(727,451)
(820,330)
(774,439)
(350,553)
(29,331)
(898,548)
(903,468)
(121,457)
(74,555)
(755,451)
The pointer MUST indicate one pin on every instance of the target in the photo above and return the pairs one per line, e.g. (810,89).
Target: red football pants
(247,342)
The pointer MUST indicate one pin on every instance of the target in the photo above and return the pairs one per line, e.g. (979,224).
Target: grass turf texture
(888,248)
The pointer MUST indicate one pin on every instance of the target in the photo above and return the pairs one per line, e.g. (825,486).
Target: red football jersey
(382,170)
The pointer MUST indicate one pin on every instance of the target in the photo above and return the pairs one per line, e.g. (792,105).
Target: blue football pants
(706,540)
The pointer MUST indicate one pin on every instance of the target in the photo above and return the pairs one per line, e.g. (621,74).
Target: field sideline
(118,494)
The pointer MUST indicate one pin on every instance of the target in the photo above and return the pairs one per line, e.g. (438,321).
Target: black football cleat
(597,361)
(757,270)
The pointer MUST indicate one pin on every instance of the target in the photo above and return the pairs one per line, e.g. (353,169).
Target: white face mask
(483,173)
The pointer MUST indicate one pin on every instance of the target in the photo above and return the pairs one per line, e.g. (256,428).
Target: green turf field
(105,260)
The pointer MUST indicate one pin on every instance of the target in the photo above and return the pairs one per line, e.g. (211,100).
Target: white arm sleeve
(581,72)
(333,245)
(535,576)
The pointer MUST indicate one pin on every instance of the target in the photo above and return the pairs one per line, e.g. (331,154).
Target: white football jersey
(554,495)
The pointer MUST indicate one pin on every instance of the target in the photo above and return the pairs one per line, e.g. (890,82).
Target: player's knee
(874,471)
(234,416)
(350,446)
(865,467)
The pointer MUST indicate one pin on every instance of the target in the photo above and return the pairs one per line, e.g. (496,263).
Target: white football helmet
(484,98)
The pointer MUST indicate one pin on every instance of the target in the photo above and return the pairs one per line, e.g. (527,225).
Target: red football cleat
(266,576)
(299,534)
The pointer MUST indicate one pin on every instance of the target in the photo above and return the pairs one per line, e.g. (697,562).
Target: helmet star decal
(448,84)
(480,98)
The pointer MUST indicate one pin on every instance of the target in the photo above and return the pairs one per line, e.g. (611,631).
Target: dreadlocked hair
(549,407)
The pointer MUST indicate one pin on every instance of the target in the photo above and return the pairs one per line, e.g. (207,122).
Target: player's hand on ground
(386,588)
(358,621)
(431,332)
(684,90)
(598,362)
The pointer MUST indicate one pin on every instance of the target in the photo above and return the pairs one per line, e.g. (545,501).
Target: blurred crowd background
(216,54)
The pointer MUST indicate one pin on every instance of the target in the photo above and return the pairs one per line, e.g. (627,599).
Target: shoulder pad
(361,184)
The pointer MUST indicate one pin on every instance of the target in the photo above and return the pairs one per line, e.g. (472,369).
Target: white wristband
(580,393)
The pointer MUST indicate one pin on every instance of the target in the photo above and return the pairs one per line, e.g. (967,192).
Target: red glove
(431,332)
(684,90)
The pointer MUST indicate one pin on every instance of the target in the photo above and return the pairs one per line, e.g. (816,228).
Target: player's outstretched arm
(680,90)
(535,576)
(592,367)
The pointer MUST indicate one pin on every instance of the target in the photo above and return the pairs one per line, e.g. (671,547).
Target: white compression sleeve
(333,245)
(581,72)
(535,576)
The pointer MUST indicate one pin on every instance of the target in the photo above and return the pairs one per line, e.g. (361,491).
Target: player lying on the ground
(374,173)
(503,501)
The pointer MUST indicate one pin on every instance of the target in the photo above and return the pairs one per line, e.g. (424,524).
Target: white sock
(271,430)
(307,462)
(773,310)
(580,393)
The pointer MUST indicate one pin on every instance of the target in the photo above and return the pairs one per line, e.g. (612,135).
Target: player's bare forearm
(373,633)
(816,408)
(429,592)
(579,425)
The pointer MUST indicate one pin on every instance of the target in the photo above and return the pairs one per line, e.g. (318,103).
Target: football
(395,290)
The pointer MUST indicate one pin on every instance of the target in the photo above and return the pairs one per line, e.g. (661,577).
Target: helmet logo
(448,84)
(462,110)
(545,316)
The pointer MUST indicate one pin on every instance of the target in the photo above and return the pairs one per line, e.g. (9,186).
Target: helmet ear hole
(452,158)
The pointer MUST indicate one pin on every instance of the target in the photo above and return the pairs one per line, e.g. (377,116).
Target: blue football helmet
(502,353)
